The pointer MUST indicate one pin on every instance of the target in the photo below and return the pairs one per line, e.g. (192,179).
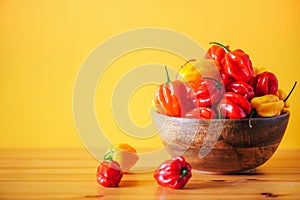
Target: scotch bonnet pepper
(109,173)
(236,64)
(193,71)
(201,113)
(188,72)
(173,173)
(241,88)
(171,98)
(234,106)
(265,83)
(216,52)
(124,154)
(271,105)
(268,105)
(206,93)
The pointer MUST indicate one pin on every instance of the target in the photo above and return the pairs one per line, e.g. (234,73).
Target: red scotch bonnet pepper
(109,173)
(265,83)
(216,52)
(236,64)
(201,113)
(171,98)
(173,173)
(241,88)
(234,106)
(208,91)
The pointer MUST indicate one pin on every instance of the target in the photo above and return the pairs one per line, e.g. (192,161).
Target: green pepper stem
(253,112)
(221,45)
(184,171)
(219,113)
(167,75)
(218,84)
(109,156)
(290,92)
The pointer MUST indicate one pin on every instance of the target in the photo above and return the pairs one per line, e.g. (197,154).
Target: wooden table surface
(70,174)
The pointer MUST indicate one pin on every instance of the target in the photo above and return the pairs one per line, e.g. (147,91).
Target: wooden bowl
(222,146)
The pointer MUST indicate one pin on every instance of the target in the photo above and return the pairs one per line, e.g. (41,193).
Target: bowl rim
(282,115)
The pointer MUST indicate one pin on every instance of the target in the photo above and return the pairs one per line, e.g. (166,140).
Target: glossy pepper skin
(124,154)
(236,64)
(268,105)
(194,70)
(226,79)
(173,173)
(282,96)
(207,92)
(216,52)
(201,113)
(109,174)
(242,88)
(188,72)
(234,106)
(171,98)
(265,83)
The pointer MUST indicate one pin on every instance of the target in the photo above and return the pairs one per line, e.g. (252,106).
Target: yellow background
(43,44)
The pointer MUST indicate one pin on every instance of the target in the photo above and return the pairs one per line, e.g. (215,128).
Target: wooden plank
(146,189)
(70,174)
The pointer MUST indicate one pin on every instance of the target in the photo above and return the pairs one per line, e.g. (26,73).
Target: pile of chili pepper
(173,173)
(222,85)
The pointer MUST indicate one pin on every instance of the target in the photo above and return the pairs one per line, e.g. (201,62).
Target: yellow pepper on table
(124,154)
(268,105)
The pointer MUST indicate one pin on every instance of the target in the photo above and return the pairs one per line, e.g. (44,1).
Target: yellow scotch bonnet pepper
(282,96)
(268,105)
(190,73)
(194,70)
(124,154)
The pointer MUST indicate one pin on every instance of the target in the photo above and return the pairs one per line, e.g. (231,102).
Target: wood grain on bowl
(222,145)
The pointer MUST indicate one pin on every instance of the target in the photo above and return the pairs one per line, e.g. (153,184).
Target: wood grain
(70,174)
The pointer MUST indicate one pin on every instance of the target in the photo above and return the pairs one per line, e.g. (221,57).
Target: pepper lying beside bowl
(221,123)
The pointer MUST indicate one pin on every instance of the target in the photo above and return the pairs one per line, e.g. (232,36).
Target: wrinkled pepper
(188,72)
(271,105)
(226,79)
(282,96)
(193,71)
(201,113)
(234,106)
(109,173)
(208,91)
(216,52)
(173,173)
(265,83)
(124,154)
(236,64)
(268,105)
(171,98)
(241,88)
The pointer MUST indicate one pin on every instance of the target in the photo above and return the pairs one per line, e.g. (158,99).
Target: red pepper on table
(109,174)
(234,106)
(241,88)
(201,113)
(265,83)
(236,64)
(173,173)
(171,98)
(216,52)
(208,91)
